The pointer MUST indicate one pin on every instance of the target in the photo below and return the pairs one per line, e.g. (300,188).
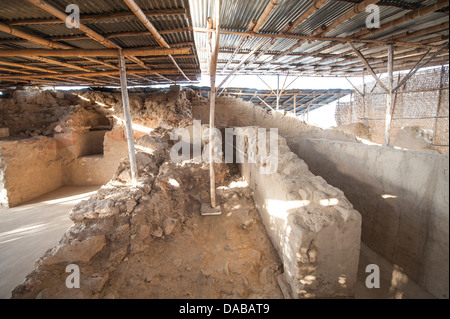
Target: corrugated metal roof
(22,10)
(237,14)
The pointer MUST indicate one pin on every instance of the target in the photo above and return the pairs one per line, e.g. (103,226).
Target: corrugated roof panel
(324,16)
(237,14)
(21,10)
(285,12)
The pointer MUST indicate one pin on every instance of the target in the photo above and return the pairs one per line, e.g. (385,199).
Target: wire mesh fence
(422,102)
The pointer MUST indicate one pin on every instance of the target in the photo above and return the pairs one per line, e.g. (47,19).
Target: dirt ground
(227,256)
(160,246)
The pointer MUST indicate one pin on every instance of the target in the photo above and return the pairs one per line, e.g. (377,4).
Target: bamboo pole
(127,115)
(420,65)
(96,74)
(420,12)
(21,65)
(32,38)
(102,16)
(438,109)
(158,37)
(278,92)
(369,68)
(213,70)
(389,96)
(317,4)
(244,60)
(63,16)
(357,9)
(14,71)
(321,38)
(295,105)
(94,53)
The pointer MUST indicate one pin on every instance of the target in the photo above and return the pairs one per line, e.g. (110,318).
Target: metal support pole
(389,95)
(127,115)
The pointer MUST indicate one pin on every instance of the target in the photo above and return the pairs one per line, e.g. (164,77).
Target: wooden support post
(369,68)
(364,96)
(127,115)
(438,109)
(295,105)
(389,95)
(278,92)
(213,71)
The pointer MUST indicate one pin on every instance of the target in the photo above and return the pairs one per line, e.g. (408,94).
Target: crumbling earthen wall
(148,240)
(403,197)
(87,127)
(312,225)
(28,168)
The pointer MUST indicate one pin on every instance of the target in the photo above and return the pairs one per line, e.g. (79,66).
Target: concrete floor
(394,284)
(27,231)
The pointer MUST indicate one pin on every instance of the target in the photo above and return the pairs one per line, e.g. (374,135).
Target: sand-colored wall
(403,197)
(314,228)
(30,168)
(231,112)
(98,169)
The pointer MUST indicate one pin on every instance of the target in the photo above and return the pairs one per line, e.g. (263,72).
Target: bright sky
(322,117)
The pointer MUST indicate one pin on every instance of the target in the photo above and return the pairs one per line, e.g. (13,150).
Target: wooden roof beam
(265,15)
(98,74)
(321,38)
(134,7)
(369,68)
(94,53)
(63,16)
(405,18)
(291,26)
(31,38)
(255,26)
(21,65)
(103,16)
(357,9)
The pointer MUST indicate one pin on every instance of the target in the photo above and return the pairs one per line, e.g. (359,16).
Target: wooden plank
(390,96)
(369,68)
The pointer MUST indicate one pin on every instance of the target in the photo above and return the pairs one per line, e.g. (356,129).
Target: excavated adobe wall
(314,228)
(28,168)
(403,197)
(87,129)
(231,112)
(365,173)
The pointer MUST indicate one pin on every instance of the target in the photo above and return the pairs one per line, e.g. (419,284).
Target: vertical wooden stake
(364,97)
(278,92)
(127,115)
(295,105)
(438,109)
(213,70)
(389,95)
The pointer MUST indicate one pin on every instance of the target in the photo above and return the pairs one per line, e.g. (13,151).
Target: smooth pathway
(29,230)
